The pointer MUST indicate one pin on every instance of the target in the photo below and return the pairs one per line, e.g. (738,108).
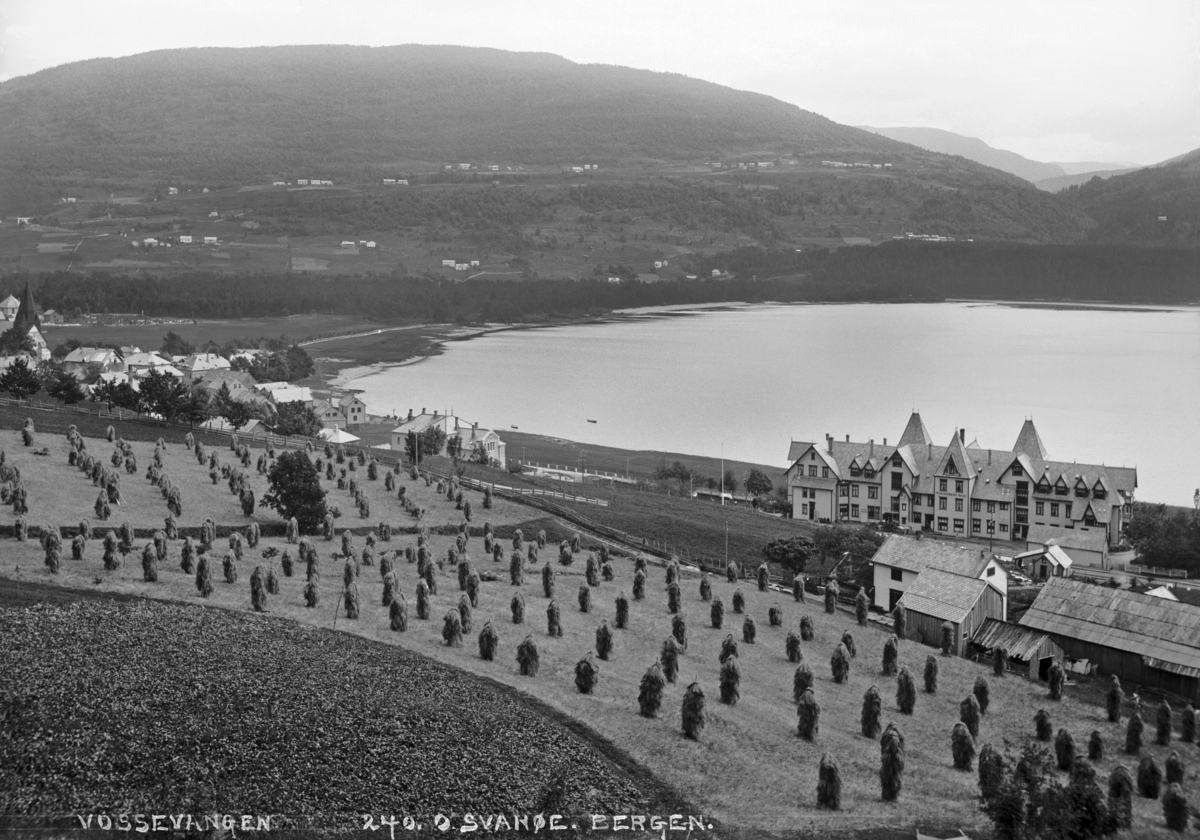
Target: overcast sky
(1055,80)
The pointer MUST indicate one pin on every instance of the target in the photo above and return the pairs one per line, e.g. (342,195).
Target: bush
(1120,795)
(968,713)
(705,588)
(731,677)
(639,585)
(739,601)
(585,674)
(669,657)
(488,642)
(650,692)
(848,641)
(982,694)
(1133,734)
(808,716)
(791,645)
(1162,720)
(891,764)
(717,613)
(906,692)
(839,664)
(861,607)
(798,589)
(802,681)
(806,628)
(1096,746)
(729,647)
(1174,768)
(1064,750)
(872,708)
(831,596)
(604,641)
(1149,778)
(527,657)
(1175,808)
(692,711)
(947,638)
(829,784)
(890,654)
(749,630)
(1042,727)
(1057,679)
(553,622)
(673,597)
(962,747)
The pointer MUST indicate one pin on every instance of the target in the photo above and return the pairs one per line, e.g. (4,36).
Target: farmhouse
(331,416)
(197,363)
(901,561)
(959,488)
(1147,640)
(938,597)
(185,239)
(77,361)
(448,263)
(172,190)
(475,441)
(352,409)
(210,240)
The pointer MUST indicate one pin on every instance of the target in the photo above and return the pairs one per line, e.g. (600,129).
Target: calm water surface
(1103,386)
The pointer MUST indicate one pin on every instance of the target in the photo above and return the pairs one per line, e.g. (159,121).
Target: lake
(1113,386)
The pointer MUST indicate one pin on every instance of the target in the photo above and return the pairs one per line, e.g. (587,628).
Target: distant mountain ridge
(1063,181)
(972,148)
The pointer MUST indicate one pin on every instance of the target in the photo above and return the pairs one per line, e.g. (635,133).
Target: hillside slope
(972,148)
(1061,182)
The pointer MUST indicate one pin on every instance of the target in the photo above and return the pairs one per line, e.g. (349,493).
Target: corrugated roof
(1020,642)
(1168,631)
(1068,537)
(943,595)
(917,555)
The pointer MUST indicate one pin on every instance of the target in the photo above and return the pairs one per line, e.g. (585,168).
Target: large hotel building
(960,488)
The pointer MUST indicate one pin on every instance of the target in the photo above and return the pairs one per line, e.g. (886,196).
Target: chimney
(456,423)
(962,435)
(885,442)
(829,441)
(989,457)
(929,449)
(422,409)
(410,414)
(847,438)
(871,452)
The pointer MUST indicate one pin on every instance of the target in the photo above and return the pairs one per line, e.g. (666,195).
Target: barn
(936,597)
(1036,651)
(1151,641)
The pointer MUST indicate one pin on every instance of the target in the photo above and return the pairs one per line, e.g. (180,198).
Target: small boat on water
(591,421)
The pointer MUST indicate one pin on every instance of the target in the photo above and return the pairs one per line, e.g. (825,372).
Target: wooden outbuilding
(936,597)
(1037,651)
(1151,641)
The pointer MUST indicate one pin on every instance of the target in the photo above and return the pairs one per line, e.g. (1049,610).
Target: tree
(454,447)
(118,394)
(64,386)
(296,418)
(232,411)
(19,380)
(163,394)
(299,363)
(792,552)
(175,345)
(295,490)
(16,340)
(432,440)
(757,483)
(730,483)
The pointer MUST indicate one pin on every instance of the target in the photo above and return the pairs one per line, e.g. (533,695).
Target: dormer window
(1060,488)
(1043,486)
(950,468)
(897,461)
(1098,491)
(1016,470)
(1081,490)
(855,472)
(868,472)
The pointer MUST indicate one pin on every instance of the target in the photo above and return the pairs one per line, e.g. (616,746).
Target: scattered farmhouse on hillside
(961,488)
(475,441)
(1141,638)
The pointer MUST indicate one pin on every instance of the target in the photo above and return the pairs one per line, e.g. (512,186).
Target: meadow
(748,770)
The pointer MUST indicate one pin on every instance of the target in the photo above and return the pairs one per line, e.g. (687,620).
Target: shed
(936,597)
(1030,647)
(1045,563)
(1138,637)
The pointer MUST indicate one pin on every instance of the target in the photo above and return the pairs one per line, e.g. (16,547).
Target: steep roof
(957,453)
(1165,633)
(1029,442)
(943,595)
(1053,552)
(915,432)
(26,316)
(1068,537)
(918,555)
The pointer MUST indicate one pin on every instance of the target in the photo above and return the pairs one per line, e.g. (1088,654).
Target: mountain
(1061,182)
(1153,205)
(1091,167)
(972,148)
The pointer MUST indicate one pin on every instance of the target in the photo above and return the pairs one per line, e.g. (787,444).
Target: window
(958,505)
(1099,492)
(976,526)
(1016,470)
(898,574)
(1054,509)
(897,460)
(897,480)
(1003,527)
(896,505)
(943,523)
(868,472)
(976,505)
(1022,515)
(958,486)
(917,500)
(872,491)
(942,503)
(855,472)
(942,484)
(1067,510)
(854,490)
(844,490)
(931,500)
(854,511)
(1004,506)
(991,507)
(824,472)
(812,470)
(1040,508)
(844,511)
(958,525)
(1060,489)
(872,512)
(991,571)
(950,468)
(804,509)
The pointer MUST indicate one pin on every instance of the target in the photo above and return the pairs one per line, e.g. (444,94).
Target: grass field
(749,770)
